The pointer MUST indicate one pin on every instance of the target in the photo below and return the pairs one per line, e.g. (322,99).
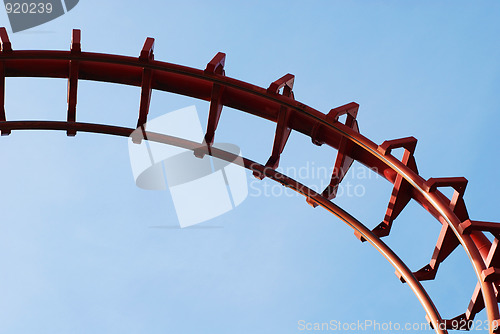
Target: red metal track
(288,114)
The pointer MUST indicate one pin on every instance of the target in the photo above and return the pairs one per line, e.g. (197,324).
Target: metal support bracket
(491,274)
(447,241)
(5,47)
(402,191)
(285,82)
(350,109)
(5,41)
(343,161)
(282,127)
(215,67)
(76,48)
(468,226)
(146,87)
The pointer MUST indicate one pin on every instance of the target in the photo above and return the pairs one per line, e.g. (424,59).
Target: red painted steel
(215,66)
(73,79)
(147,77)
(401,193)
(283,128)
(382,248)
(5,47)
(289,115)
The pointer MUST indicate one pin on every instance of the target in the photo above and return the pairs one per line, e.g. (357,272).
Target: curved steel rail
(288,114)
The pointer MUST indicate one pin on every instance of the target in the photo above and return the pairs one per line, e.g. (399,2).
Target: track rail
(277,104)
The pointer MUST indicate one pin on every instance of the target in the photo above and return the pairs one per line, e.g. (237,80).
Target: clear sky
(83,250)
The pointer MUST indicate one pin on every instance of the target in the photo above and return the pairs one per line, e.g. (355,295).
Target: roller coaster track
(277,104)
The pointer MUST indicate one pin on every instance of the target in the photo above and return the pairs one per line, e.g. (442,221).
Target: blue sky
(81,249)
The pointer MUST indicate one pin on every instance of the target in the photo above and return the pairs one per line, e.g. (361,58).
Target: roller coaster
(277,104)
